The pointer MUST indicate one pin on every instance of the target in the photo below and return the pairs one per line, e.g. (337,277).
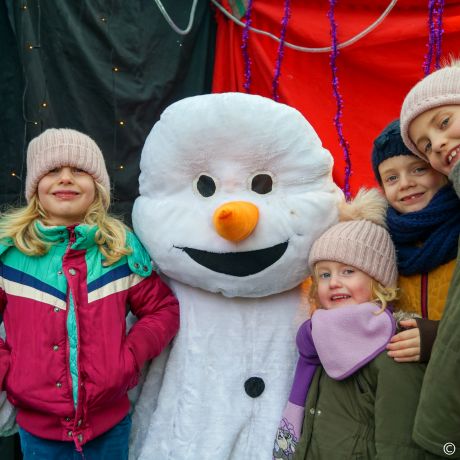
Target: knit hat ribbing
(56,148)
(388,144)
(439,88)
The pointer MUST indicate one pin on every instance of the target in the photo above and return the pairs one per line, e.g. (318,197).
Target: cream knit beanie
(439,88)
(362,243)
(56,148)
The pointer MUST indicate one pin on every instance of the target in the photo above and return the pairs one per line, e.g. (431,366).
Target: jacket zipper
(72,239)
(76,438)
(424,295)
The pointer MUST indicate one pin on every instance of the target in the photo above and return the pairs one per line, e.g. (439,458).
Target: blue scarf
(427,238)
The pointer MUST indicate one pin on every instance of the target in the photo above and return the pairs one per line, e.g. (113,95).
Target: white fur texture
(232,327)
(231,137)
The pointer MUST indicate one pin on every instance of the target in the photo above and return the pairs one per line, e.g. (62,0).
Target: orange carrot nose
(236,220)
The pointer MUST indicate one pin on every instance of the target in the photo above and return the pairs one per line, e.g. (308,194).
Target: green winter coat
(366,416)
(437,423)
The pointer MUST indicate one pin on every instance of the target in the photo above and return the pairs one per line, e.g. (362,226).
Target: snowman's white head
(234,189)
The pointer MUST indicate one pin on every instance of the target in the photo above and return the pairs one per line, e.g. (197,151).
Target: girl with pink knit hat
(69,274)
(430,128)
(349,399)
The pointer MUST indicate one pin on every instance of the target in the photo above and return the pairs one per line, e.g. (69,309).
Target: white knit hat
(439,88)
(56,148)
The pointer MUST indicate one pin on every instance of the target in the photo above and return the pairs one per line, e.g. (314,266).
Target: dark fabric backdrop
(92,65)
(11,119)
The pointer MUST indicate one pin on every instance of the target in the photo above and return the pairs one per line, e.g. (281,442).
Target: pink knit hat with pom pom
(362,243)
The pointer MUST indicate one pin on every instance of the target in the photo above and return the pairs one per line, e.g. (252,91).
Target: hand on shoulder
(405,346)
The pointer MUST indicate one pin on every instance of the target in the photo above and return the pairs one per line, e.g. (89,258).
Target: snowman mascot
(234,189)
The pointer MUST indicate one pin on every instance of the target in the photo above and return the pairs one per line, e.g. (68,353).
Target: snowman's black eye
(205,185)
(262,183)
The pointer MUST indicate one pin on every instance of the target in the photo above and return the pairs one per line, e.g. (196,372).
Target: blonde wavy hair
(19,225)
(381,295)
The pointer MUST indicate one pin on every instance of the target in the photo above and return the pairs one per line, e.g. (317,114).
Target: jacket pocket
(113,384)
(9,382)
(132,372)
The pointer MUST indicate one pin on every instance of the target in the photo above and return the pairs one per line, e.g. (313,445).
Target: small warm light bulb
(13,174)
(115,69)
(24,7)
(122,123)
(35,122)
(30,46)
(103,19)
(44,104)
(122,167)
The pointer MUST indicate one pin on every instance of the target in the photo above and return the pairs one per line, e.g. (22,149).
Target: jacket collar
(60,234)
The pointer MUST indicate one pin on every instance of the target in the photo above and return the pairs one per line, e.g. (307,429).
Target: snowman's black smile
(237,263)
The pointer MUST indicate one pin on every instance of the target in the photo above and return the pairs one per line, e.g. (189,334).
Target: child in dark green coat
(430,127)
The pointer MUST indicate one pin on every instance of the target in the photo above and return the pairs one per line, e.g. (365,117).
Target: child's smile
(339,297)
(413,197)
(65,194)
(452,157)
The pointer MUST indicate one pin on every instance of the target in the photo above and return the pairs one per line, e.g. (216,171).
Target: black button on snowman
(254,387)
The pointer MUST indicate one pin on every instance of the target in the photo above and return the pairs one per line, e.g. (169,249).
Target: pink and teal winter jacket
(67,361)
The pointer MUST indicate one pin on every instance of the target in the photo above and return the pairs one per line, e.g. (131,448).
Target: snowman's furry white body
(203,410)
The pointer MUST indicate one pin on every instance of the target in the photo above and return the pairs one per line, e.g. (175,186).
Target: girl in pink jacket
(69,274)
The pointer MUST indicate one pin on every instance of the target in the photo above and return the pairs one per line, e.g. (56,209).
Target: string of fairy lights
(32,110)
(431,60)
(34,46)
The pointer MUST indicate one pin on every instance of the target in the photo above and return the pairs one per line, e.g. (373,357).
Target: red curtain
(374,73)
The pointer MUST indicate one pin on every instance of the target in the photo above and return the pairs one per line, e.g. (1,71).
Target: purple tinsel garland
(284,23)
(439,32)
(431,35)
(244,47)
(435,31)
(335,88)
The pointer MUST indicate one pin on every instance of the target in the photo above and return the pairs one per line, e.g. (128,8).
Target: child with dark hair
(423,219)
